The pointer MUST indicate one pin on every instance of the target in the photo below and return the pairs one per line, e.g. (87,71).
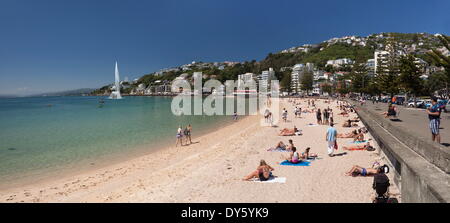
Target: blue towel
(360,141)
(286,163)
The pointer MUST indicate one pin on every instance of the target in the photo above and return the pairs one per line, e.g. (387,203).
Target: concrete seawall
(421,167)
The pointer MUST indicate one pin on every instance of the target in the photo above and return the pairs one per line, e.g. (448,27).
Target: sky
(54,45)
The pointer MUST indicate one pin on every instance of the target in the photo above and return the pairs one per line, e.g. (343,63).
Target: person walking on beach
(434,114)
(179,136)
(331,139)
(284,114)
(235,116)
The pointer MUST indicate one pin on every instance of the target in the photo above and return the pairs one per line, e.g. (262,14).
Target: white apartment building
(297,73)
(381,59)
(243,78)
(265,78)
(340,62)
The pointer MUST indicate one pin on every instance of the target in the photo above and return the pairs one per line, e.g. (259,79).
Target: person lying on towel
(352,134)
(263,172)
(289,132)
(367,147)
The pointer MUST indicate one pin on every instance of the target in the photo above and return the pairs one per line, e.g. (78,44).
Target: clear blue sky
(52,45)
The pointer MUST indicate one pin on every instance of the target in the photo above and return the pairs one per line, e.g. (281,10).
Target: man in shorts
(434,114)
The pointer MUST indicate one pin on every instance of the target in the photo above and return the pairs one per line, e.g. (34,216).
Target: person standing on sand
(179,136)
(284,114)
(319,117)
(331,139)
(235,116)
(434,114)
(187,133)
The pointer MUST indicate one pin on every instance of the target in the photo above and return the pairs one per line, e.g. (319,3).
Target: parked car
(419,103)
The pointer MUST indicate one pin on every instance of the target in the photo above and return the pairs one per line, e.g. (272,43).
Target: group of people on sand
(327,116)
(184,133)
(264,171)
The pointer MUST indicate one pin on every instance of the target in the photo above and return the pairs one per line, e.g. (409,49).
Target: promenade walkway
(415,119)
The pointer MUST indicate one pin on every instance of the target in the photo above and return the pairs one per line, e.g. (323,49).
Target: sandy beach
(211,169)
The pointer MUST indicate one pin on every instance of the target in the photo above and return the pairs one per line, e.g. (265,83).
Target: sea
(49,137)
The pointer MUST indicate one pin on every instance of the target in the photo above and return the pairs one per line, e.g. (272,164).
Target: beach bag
(335,145)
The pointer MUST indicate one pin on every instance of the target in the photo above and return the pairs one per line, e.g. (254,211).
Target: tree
(307,81)
(435,83)
(410,76)
(359,78)
(441,60)
(286,81)
(387,75)
(328,88)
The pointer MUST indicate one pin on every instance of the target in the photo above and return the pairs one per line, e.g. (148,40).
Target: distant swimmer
(49,105)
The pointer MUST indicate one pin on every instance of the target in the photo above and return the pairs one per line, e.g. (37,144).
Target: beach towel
(273,180)
(277,150)
(353,149)
(286,163)
(365,141)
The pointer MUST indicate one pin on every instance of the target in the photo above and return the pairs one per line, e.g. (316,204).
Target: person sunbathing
(344,114)
(263,172)
(359,136)
(347,135)
(289,132)
(355,119)
(358,170)
(280,146)
(348,124)
(294,157)
(306,155)
(366,146)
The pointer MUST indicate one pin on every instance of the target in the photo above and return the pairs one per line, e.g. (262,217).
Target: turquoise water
(37,140)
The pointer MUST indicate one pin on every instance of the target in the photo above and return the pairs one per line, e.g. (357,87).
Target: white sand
(211,170)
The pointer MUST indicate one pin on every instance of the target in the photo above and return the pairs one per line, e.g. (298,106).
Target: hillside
(359,49)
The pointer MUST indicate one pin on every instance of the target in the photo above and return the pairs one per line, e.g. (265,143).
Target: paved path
(416,119)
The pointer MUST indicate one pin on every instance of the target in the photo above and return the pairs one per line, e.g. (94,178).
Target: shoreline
(73,169)
(107,166)
(212,170)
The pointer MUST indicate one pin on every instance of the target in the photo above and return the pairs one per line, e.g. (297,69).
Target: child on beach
(263,172)
(179,136)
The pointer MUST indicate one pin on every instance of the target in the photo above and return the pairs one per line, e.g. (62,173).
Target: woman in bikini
(263,172)
(347,135)
(367,147)
(288,132)
(357,170)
